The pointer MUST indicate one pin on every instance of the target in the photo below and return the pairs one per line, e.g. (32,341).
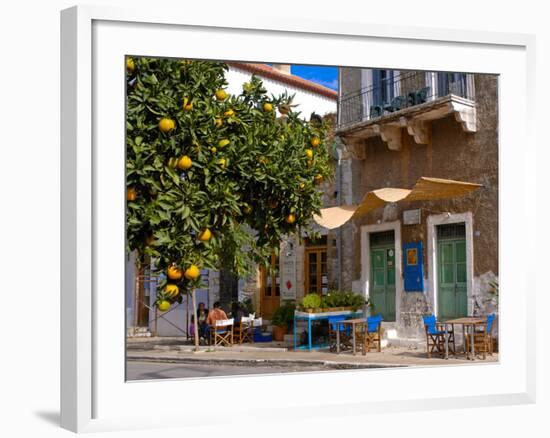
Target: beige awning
(425,189)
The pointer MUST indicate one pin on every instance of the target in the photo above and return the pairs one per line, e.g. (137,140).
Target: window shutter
(413,267)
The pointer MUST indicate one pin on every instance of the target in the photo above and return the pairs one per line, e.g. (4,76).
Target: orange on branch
(205,235)
(163,305)
(223,142)
(268,107)
(171,290)
(166,125)
(192,272)
(290,219)
(174,273)
(184,162)
(131,194)
(315,141)
(130,65)
(221,95)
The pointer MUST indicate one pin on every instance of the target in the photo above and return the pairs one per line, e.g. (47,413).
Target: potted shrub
(282,318)
(311,302)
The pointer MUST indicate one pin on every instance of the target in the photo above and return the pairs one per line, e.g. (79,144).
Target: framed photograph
(233,219)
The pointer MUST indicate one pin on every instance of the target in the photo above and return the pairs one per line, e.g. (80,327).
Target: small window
(381,239)
(451,231)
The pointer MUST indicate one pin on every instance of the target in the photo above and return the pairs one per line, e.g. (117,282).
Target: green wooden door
(452,284)
(382,290)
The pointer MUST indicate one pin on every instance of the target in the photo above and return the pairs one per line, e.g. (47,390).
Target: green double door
(382,290)
(452,278)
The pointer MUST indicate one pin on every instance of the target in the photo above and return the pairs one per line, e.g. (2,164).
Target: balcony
(408,100)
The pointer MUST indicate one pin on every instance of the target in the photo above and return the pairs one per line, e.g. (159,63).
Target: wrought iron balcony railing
(395,91)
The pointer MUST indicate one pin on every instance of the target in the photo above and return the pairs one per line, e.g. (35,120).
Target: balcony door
(452,83)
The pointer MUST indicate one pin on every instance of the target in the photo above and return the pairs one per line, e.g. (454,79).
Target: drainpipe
(340,231)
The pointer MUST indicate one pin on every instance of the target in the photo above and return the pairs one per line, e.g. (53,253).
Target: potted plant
(311,302)
(282,318)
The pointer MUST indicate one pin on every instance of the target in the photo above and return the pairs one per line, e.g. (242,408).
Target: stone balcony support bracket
(465,115)
(390,134)
(420,130)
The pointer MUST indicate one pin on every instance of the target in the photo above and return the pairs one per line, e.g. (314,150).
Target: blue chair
(334,325)
(371,336)
(435,336)
(483,338)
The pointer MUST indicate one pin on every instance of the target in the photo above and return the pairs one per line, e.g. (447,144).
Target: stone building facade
(395,127)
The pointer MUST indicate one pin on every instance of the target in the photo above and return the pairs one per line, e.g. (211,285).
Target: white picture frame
(94,395)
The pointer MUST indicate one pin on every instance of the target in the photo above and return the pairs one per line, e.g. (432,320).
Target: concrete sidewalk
(280,356)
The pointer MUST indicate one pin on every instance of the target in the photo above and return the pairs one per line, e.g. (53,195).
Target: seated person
(237,312)
(216,314)
(202,316)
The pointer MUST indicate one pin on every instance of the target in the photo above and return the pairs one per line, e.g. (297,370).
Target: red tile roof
(296,81)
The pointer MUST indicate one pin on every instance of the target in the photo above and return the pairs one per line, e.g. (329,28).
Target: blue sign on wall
(413,267)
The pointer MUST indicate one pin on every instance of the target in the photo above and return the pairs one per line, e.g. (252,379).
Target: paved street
(150,370)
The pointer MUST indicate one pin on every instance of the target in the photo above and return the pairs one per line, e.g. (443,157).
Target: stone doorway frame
(431,254)
(365,260)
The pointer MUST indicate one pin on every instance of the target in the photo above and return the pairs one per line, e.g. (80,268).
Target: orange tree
(213,177)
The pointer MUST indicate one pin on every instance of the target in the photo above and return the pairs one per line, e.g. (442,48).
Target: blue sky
(327,76)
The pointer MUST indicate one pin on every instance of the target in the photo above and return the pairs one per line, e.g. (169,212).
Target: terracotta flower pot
(279,333)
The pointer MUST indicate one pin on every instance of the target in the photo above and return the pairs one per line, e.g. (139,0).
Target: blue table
(309,317)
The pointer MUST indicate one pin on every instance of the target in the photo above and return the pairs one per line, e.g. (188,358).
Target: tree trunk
(229,288)
(195,320)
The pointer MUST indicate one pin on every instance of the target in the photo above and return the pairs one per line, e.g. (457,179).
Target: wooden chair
(243,331)
(335,324)
(483,337)
(435,336)
(221,333)
(371,335)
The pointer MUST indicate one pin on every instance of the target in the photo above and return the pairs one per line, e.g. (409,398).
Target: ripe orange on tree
(166,125)
(171,290)
(187,105)
(192,272)
(221,95)
(309,153)
(184,162)
(131,194)
(174,273)
(229,113)
(130,65)
(315,141)
(290,219)
(205,235)
(318,178)
(268,107)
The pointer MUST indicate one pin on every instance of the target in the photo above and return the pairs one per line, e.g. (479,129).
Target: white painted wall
(308,102)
